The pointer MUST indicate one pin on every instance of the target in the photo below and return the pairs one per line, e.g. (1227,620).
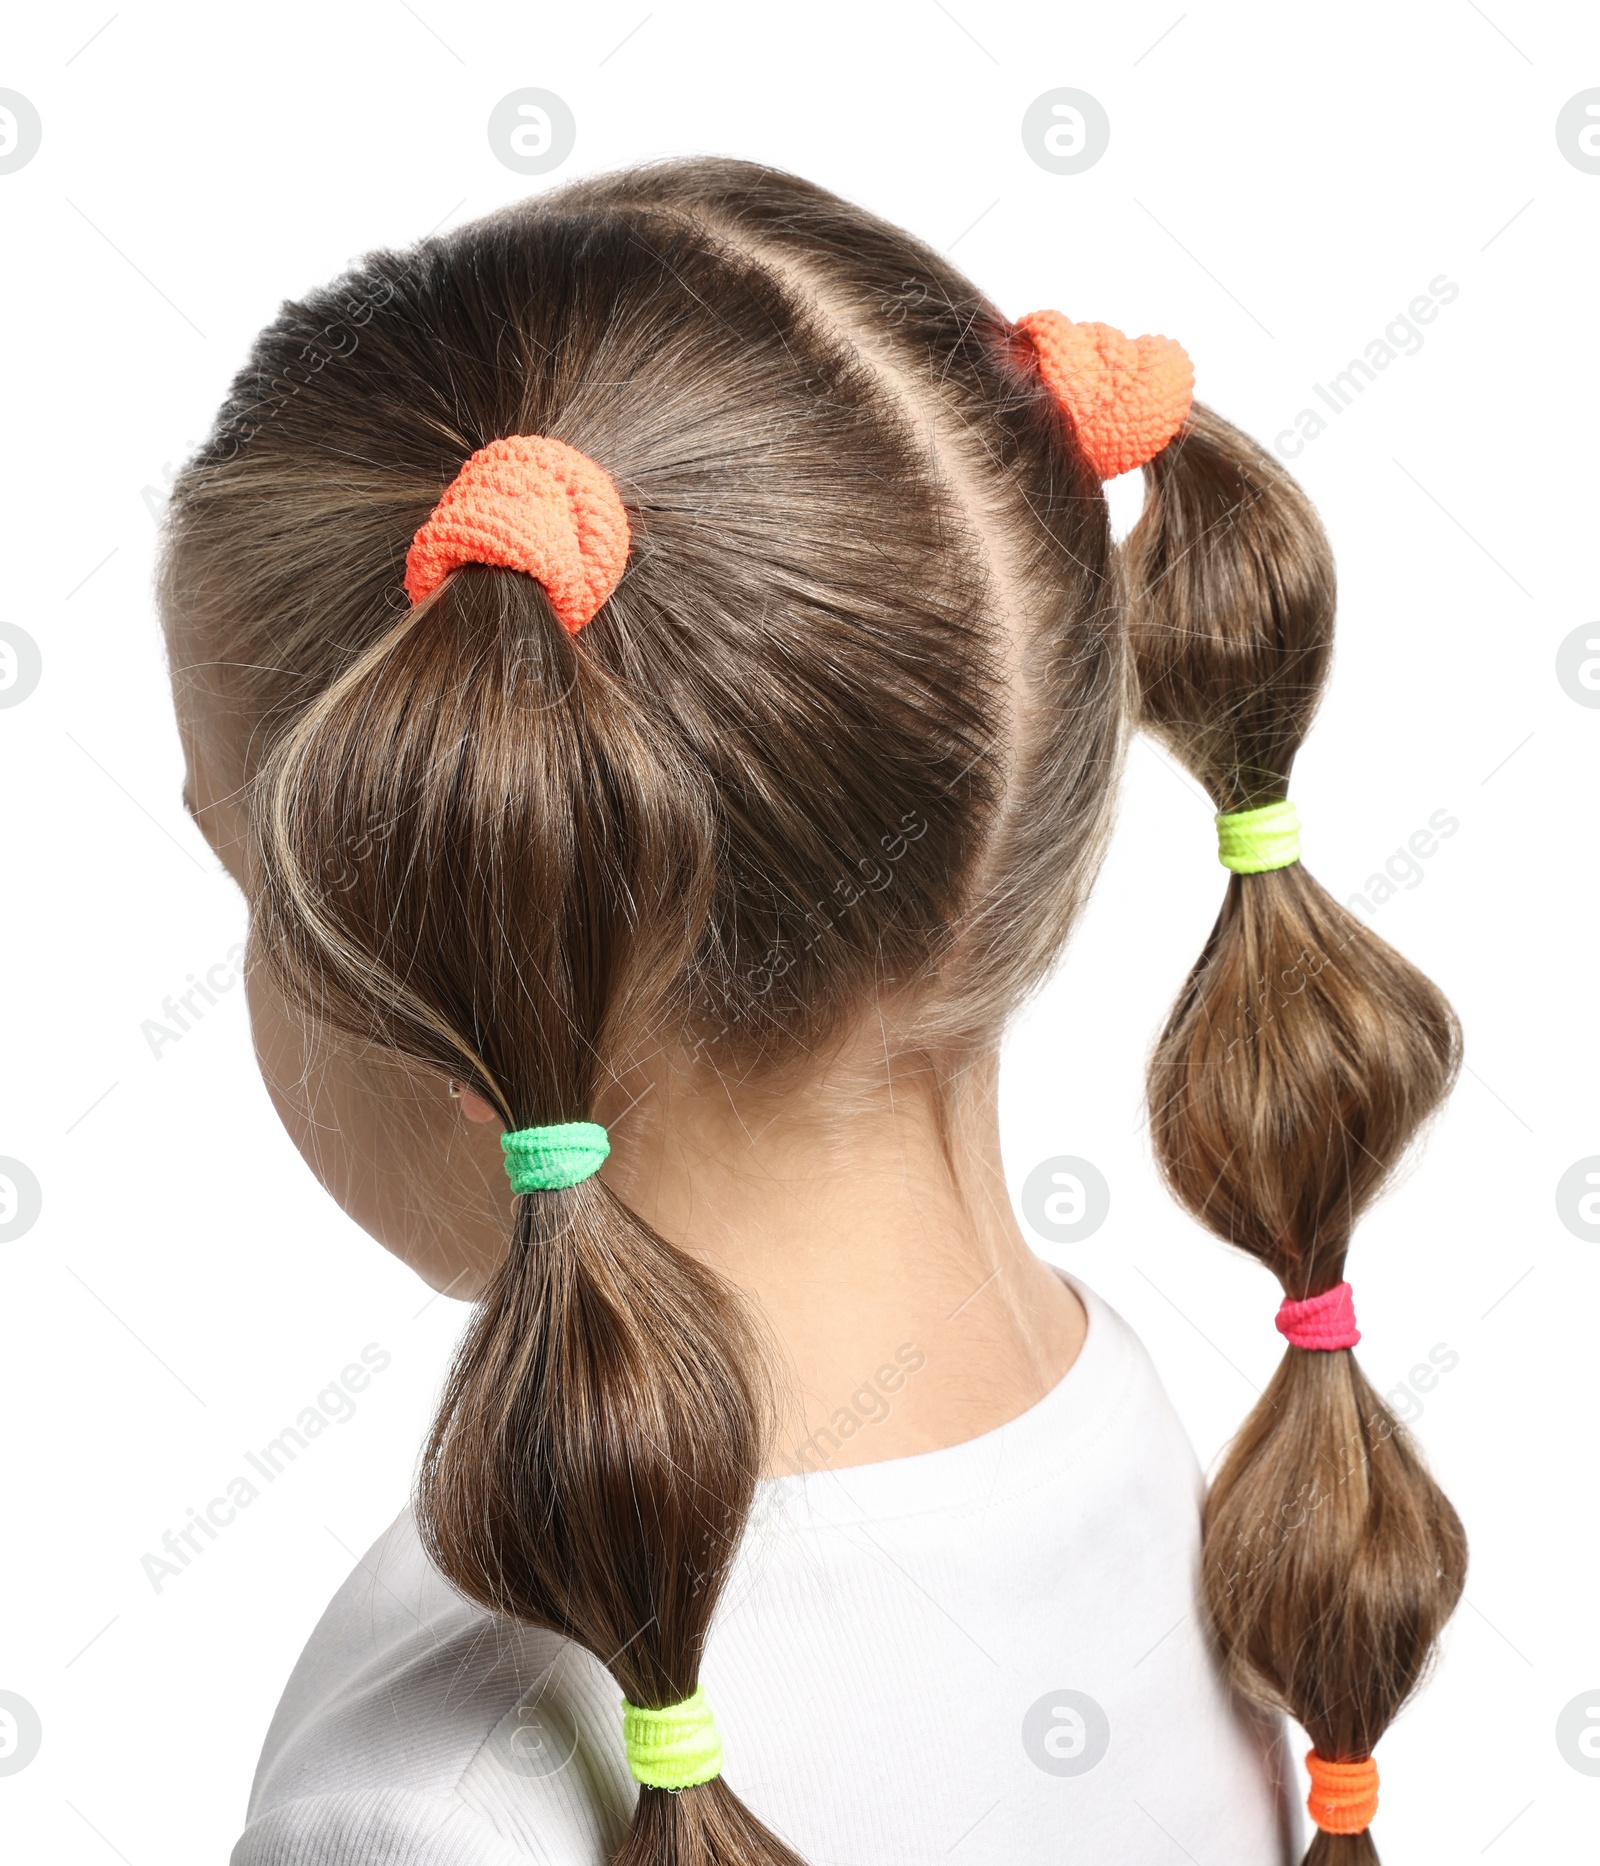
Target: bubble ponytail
(1300,1060)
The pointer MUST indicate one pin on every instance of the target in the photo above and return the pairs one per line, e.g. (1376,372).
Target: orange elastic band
(1344,1795)
(533,504)
(1127,396)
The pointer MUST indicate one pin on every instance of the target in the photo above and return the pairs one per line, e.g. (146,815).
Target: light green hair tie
(673,1748)
(544,1159)
(1252,841)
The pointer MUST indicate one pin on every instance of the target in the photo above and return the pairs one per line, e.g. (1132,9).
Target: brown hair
(845,738)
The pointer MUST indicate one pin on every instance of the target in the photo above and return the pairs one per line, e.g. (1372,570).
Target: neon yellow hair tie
(1252,841)
(677,1747)
(543,1159)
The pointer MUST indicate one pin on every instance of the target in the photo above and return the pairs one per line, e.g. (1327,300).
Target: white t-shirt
(987,1655)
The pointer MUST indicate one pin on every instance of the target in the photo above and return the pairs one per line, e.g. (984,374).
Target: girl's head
(838,755)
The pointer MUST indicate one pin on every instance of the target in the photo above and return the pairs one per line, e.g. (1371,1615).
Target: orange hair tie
(1127,396)
(1344,1795)
(533,504)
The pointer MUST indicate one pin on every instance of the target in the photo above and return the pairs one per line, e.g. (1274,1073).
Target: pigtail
(591,1468)
(601,1433)
(1301,1058)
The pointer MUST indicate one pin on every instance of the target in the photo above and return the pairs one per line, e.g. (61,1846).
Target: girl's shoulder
(393,1825)
(418,1729)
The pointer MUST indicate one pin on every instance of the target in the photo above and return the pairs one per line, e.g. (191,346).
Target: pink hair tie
(1324,1322)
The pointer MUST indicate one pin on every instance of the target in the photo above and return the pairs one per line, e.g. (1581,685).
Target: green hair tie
(677,1747)
(544,1159)
(1252,841)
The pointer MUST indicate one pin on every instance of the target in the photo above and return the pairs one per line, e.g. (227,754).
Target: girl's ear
(474,1107)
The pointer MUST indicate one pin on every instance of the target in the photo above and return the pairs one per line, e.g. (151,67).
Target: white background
(1280,182)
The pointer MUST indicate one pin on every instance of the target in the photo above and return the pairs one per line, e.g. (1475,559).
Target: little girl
(656,663)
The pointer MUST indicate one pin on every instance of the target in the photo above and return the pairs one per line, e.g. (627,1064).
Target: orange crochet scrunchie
(1344,1795)
(1127,396)
(533,504)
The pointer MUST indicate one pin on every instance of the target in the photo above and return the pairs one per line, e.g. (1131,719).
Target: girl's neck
(866,1212)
